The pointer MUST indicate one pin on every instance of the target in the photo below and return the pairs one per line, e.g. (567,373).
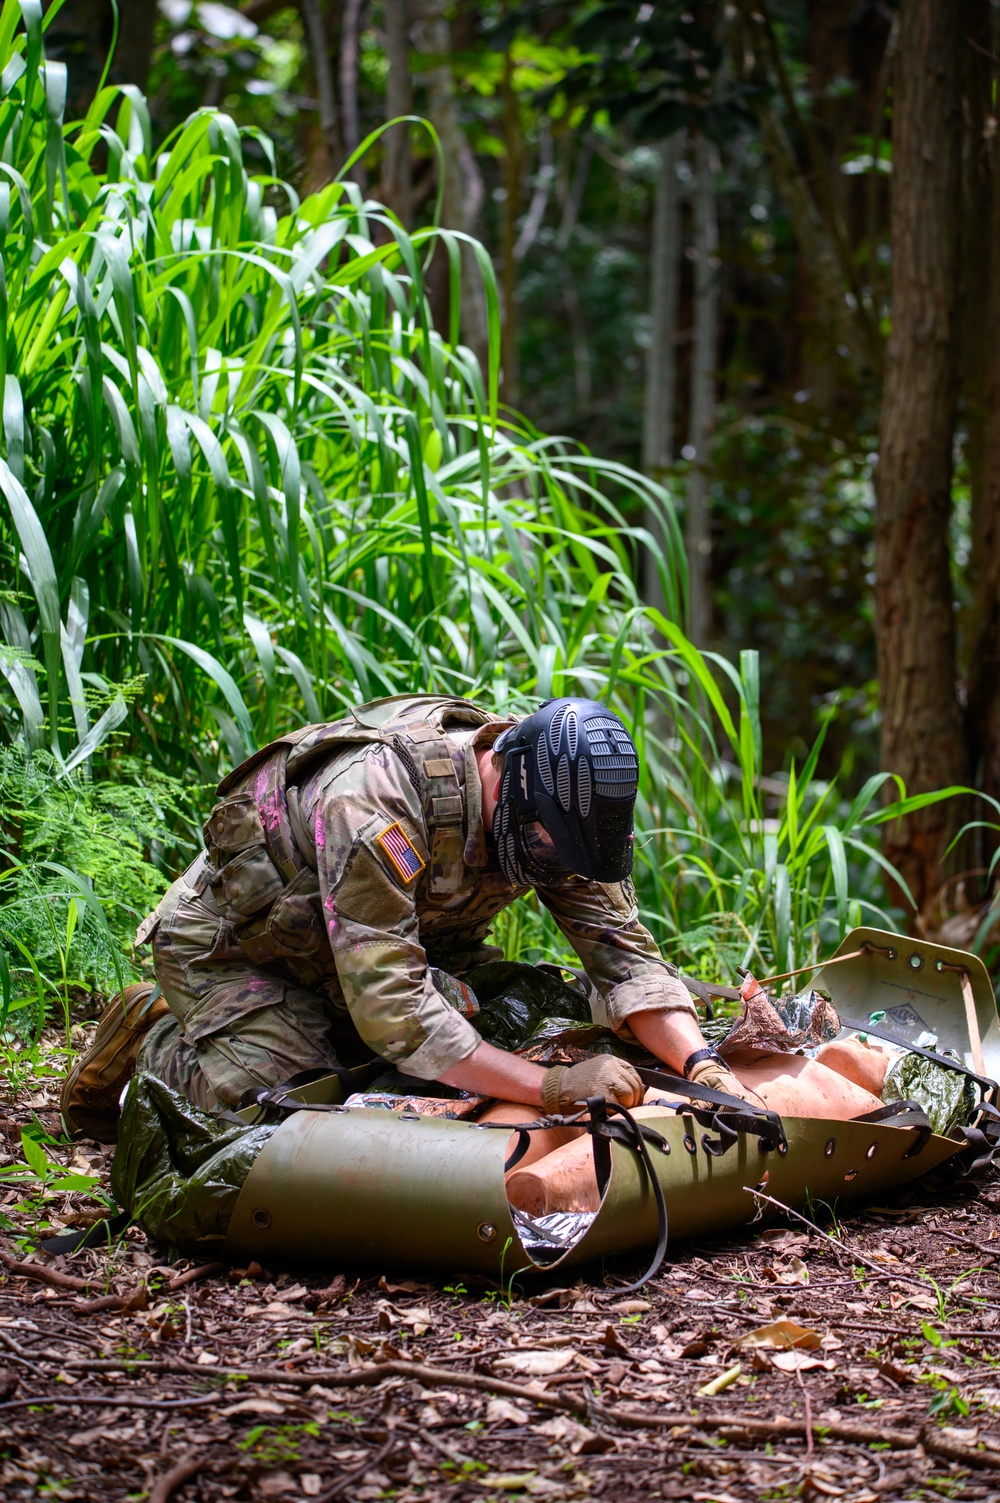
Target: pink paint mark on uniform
(270,810)
(257,983)
(320,832)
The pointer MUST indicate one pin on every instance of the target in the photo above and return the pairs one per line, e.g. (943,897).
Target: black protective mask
(567,791)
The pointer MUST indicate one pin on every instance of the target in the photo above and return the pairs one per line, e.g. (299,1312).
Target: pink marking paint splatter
(270,811)
(320,831)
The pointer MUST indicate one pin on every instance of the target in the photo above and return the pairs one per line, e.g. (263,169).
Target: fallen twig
(348,1377)
(850,1252)
(866,1435)
(16,1353)
(104,1302)
(166,1485)
(374,1373)
(110,1401)
(355,1476)
(44,1275)
(206,1271)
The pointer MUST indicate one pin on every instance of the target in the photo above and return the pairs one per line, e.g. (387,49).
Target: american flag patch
(401,853)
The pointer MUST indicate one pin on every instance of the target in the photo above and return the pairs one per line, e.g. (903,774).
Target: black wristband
(697,1057)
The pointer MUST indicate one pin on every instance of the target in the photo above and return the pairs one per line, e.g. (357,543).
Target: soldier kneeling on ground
(351,874)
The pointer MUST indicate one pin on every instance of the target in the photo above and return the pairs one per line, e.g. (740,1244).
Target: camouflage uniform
(348,882)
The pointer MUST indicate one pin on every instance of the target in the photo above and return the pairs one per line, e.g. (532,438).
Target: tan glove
(567,1086)
(709,1072)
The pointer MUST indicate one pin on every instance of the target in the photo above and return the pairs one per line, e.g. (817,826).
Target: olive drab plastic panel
(376,1187)
(918,986)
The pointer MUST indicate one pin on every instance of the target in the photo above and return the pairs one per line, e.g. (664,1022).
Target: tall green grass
(241,461)
(246,483)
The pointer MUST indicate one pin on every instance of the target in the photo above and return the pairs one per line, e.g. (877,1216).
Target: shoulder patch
(401,853)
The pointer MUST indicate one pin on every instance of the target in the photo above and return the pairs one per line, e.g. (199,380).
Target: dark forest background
(745,247)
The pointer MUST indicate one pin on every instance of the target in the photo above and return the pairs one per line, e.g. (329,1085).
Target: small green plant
(275,1445)
(947,1401)
(813,1207)
(934,1336)
(38,1169)
(505,1293)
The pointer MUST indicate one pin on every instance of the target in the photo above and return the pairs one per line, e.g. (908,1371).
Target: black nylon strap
(98,1235)
(621,1127)
(945,1060)
(351,1081)
(741,1115)
(600,1141)
(523,1144)
(902,1114)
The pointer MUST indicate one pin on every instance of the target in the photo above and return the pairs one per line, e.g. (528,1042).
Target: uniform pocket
(234,825)
(247,884)
(295,925)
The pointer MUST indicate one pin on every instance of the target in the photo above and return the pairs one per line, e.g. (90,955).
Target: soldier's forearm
(489,1071)
(671,1036)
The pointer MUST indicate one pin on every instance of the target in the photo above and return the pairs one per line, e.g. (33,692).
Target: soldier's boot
(92,1089)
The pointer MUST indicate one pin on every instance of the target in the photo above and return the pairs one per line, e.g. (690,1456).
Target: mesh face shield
(568,784)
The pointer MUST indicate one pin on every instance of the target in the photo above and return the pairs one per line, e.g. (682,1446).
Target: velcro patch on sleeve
(401,853)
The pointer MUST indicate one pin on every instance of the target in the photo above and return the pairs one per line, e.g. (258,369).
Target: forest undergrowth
(852,1358)
(247,483)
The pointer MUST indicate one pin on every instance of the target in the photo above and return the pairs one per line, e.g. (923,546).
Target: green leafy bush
(246,483)
(75,878)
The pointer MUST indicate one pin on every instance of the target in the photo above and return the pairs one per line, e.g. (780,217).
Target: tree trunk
(442,108)
(323,147)
(80,36)
(807,196)
(974,334)
(661,362)
(512,171)
(704,359)
(921,737)
(351,129)
(983,718)
(398,186)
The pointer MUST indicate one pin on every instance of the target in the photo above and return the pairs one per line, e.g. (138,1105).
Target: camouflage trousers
(235,1029)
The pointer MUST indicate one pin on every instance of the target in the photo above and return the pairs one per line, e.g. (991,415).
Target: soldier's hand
(711,1072)
(567,1086)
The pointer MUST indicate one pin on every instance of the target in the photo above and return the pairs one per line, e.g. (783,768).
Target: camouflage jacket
(355,857)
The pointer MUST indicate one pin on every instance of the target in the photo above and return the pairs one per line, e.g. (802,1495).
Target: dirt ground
(862,1368)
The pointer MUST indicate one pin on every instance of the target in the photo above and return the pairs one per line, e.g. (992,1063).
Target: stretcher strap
(741,1115)
(621,1127)
(99,1235)
(903,1114)
(986,1085)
